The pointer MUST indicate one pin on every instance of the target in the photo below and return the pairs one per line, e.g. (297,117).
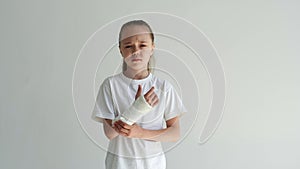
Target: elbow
(174,129)
(110,136)
(176,137)
(177,134)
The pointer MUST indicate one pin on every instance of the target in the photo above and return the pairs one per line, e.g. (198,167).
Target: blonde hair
(139,23)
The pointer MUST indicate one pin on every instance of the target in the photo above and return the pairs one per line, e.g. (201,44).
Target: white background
(258,43)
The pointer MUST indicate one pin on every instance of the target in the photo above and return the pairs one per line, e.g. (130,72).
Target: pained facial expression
(136,47)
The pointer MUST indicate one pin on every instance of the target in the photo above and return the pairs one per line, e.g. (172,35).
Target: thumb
(139,92)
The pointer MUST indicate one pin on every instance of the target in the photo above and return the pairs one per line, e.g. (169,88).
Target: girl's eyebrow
(142,41)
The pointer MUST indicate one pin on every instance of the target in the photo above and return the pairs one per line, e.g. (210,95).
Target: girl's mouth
(136,60)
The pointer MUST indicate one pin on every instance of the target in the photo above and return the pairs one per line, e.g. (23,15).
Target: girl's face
(136,47)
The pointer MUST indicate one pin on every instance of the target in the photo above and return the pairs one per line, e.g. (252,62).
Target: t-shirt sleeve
(174,105)
(103,108)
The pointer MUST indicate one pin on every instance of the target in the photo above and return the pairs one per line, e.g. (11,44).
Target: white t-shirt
(115,95)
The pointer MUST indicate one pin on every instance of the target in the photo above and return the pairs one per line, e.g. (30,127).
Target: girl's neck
(137,75)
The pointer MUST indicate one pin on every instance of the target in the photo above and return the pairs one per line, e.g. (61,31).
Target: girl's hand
(150,96)
(130,131)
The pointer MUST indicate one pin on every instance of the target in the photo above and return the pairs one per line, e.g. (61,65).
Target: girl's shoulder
(111,78)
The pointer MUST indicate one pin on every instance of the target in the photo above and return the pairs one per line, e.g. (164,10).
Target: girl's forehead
(131,31)
(145,37)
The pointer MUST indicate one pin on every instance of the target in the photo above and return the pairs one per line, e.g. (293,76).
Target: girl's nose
(135,53)
(135,49)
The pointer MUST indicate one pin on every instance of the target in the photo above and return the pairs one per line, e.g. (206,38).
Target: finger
(122,133)
(117,123)
(139,92)
(150,97)
(155,102)
(123,130)
(117,128)
(124,125)
(149,92)
(120,129)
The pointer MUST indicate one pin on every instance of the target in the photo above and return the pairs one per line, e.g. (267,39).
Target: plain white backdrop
(258,43)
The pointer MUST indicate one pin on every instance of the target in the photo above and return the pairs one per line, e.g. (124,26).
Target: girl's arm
(171,133)
(109,130)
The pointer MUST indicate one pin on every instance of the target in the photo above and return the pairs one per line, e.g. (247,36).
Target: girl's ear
(120,50)
(152,50)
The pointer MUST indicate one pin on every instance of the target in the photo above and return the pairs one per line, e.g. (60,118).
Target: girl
(138,110)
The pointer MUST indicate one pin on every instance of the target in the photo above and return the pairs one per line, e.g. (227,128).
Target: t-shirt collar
(136,81)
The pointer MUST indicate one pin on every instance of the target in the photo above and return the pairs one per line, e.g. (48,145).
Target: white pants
(113,161)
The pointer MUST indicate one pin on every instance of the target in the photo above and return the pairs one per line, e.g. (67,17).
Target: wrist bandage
(139,108)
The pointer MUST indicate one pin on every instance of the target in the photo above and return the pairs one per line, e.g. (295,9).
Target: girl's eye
(127,46)
(143,45)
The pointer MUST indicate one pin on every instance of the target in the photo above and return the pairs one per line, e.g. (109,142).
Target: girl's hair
(137,23)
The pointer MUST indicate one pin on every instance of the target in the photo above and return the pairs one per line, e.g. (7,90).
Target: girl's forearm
(169,134)
(108,130)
